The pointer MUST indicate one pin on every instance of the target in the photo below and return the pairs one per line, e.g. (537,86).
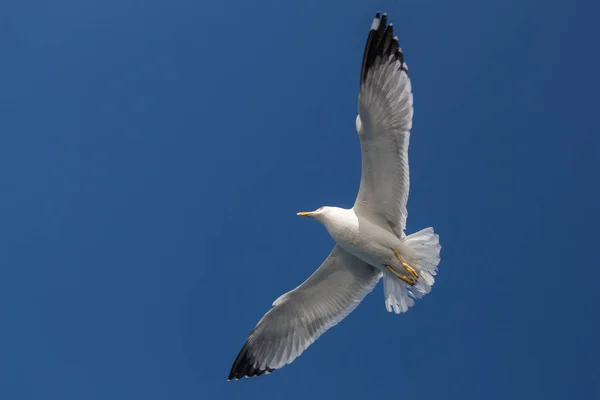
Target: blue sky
(153,156)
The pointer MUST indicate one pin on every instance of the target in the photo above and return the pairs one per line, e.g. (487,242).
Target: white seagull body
(370,238)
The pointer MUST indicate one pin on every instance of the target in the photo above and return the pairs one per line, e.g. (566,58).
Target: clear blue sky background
(153,155)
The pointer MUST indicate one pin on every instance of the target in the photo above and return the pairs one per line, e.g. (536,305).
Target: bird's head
(321,214)
(312,214)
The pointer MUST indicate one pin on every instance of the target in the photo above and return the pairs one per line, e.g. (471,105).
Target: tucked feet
(407,267)
(406,279)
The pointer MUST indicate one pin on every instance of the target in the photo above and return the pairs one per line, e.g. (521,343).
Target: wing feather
(385,106)
(300,316)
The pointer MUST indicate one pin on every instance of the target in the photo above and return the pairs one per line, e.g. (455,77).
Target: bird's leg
(407,267)
(406,279)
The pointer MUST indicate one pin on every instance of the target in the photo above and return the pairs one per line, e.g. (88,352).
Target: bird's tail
(399,296)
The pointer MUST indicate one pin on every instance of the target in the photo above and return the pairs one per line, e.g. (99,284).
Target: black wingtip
(244,365)
(381,42)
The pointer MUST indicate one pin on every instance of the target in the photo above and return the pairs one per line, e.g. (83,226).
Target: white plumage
(370,238)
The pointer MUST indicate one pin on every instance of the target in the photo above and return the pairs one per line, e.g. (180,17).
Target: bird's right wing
(300,316)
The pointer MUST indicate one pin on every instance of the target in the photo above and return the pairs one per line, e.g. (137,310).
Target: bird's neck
(340,221)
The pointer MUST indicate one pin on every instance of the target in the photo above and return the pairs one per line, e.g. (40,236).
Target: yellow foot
(407,267)
(406,279)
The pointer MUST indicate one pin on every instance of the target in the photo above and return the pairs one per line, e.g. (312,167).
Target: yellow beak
(305,214)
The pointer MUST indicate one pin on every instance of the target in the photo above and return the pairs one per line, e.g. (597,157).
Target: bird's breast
(366,241)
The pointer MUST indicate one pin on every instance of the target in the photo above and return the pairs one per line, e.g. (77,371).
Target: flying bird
(370,238)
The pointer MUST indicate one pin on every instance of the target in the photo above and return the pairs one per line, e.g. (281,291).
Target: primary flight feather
(370,238)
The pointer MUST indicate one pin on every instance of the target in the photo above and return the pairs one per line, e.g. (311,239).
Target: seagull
(370,238)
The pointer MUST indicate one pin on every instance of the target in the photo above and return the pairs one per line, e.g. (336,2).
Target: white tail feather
(399,296)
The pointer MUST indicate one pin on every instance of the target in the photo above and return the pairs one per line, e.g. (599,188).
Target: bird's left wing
(385,106)
(300,316)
